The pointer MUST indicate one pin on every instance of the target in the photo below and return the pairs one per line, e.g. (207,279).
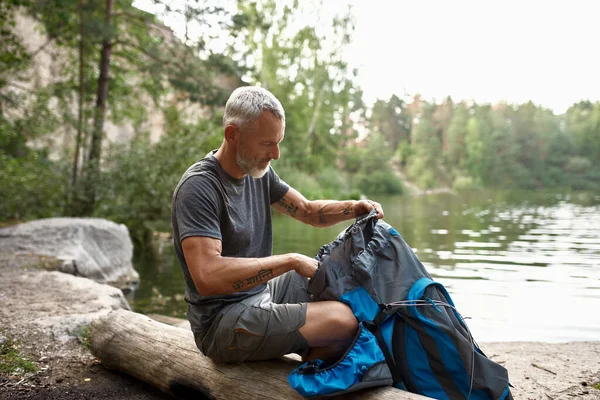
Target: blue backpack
(410,334)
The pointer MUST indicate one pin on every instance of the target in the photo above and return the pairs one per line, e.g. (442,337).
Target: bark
(74,170)
(167,358)
(99,115)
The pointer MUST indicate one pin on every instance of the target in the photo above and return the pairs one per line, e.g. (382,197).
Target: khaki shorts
(260,327)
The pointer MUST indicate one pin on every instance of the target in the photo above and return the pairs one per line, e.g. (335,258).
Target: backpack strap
(375,328)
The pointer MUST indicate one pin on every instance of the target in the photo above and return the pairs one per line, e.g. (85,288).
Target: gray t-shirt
(211,203)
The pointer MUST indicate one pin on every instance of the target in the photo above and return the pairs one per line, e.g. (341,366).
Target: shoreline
(46,312)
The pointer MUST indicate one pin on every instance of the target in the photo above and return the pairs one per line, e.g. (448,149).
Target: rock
(54,304)
(94,248)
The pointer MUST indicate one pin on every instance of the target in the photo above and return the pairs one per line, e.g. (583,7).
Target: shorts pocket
(249,331)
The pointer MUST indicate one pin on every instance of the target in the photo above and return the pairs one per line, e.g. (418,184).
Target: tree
(30,184)
(457,131)
(119,61)
(424,166)
(302,66)
(14,59)
(583,125)
(392,120)
(474,149)
(93,160)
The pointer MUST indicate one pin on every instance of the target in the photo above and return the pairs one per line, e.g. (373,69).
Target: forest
(162,93)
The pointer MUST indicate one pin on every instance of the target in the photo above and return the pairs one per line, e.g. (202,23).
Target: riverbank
(45,313)
(43,335)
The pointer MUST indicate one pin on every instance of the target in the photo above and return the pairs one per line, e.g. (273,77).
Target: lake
(520,266)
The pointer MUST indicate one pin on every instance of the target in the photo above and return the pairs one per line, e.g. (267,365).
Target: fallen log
(167,358)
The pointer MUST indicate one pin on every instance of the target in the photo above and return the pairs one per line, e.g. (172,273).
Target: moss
(6,224)
(11,360)
(83,335)
(48,263)
(33,262)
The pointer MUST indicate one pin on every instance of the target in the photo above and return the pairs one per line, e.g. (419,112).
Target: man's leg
(256,329)
(329,327)
(329,330)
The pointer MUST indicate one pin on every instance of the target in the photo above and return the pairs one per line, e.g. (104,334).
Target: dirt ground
(44,312)
(78,381)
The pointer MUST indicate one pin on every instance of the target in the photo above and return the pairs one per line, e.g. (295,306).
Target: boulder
(53,303)
(93,248)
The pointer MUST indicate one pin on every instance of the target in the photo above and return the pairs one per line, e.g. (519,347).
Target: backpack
(410,334)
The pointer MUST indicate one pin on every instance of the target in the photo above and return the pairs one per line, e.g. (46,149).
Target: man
(243,302)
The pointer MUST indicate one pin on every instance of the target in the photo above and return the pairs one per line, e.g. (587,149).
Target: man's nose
(274,154)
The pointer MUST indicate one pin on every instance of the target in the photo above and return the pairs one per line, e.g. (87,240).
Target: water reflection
(521,265)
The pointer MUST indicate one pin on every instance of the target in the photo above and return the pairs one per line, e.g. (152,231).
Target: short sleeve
(198,208)
(278,188)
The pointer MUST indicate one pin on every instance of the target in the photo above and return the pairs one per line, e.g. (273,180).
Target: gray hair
(246,103)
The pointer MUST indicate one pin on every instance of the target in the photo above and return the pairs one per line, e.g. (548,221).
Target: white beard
(250,166)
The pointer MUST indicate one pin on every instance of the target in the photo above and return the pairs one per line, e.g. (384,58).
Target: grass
(597,386)
(47,263)
(12,361)
(6,224)
(83,335)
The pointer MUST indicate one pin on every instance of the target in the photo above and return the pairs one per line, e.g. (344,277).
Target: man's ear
(232,134)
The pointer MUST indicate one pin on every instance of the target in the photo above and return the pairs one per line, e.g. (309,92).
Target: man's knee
(328,322)
(342,319)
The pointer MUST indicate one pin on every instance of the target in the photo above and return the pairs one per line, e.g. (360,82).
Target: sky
(480,50)
(487,51)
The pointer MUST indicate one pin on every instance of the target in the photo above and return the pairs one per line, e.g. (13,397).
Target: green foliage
(139,178)
(329,183)
(300,62)
(31,187)
(303,182)
(474,146)
(378,182)
(391,120)
(457,137)
(462,182)
(335,184)
(11,360)
(335,147)
(146,64)
(520,146)
(403,153)
(371,166)
(426,160)
(82,333)
(420,170)
(14,58)
(583,123)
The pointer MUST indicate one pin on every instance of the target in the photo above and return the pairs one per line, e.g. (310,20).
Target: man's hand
(305,266)
(365,206)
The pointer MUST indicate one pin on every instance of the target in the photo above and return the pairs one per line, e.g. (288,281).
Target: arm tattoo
(289,207)
(321,216)
(347,211)
(238,285)
(261,276)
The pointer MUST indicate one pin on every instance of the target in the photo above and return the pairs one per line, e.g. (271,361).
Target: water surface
(519,265)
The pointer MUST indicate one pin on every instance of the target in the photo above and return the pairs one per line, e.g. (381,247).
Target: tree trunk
(74,172)
(93,162)
(167,358)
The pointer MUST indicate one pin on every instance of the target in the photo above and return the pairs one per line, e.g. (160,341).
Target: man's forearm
(226,275)
(330,212)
